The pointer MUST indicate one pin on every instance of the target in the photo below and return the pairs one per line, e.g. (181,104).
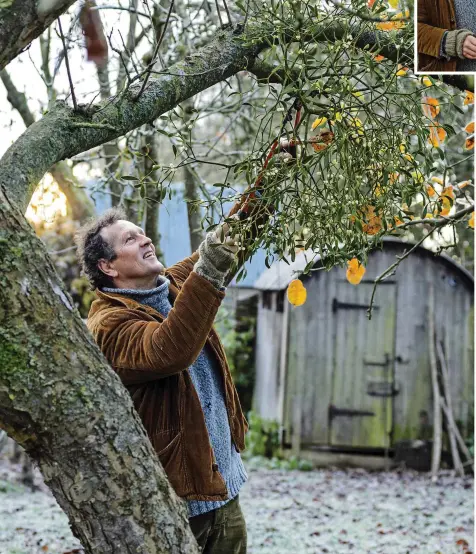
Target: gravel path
(294,512)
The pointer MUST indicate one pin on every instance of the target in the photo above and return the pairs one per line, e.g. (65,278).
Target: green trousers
(221,531)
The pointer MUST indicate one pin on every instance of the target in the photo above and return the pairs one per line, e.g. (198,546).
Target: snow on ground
(339,511)
(334,511)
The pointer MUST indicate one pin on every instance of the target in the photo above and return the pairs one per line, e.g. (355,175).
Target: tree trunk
(61,401)
(79,202)
(153,191)
(111,149)
(193,211)
(191,194)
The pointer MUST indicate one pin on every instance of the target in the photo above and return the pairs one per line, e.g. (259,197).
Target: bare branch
(17,99)
(156,51)
(362,15)
(70,79)
(437,224)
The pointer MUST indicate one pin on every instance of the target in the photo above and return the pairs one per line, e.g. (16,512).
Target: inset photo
(446,36)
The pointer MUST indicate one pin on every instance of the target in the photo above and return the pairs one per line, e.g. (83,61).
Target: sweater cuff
(454,42)
(443,53)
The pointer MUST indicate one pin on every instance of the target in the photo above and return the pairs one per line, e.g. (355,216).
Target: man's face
(136,265)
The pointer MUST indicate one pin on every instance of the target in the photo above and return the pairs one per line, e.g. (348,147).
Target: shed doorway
(363,377)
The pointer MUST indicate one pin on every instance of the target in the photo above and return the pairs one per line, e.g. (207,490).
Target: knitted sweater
(207,381)
(465,11)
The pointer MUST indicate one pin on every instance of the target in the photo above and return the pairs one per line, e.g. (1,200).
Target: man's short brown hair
(92,247)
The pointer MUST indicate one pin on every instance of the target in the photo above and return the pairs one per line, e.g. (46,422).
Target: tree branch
(436,224)
(79,203)
(61,133)
(57,135)
(17,99)
(20,23)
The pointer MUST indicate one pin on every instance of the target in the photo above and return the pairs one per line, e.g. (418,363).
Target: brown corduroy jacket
(434,18)
(151,354)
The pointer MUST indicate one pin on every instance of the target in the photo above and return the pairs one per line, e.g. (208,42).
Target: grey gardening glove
(217,254)
(454,42)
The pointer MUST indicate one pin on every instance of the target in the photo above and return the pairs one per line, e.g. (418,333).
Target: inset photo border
(445,36)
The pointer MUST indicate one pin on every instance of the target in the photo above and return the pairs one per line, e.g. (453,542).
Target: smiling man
(154,325)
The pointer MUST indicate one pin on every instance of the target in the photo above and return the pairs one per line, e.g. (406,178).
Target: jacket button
(215,467)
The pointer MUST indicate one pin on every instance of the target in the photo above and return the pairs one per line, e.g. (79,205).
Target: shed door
(360,412)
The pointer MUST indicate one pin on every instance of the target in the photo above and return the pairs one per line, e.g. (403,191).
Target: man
(446,35)
(155,328)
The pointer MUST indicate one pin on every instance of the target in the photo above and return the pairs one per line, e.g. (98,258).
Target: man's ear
(107,267)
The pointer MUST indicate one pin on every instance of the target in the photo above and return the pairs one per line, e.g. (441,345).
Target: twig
(218,12)
(227,12)
(130,10)
(59,59)
(124,64)
(198,73)
(391,270)
(156,51)
(66,59)
(246,14)
(441,221)
(129,48)
(363,16)
(93,126)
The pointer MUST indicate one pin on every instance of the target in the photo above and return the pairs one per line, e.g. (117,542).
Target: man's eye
(129,238)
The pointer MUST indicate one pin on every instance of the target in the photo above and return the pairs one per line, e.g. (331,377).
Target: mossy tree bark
(20,23)
(61,401)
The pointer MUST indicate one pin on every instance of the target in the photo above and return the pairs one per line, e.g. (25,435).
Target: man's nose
(145,241)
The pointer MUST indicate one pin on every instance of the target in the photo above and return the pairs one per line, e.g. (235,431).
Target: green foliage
(262,438)
(368,165)
(238,337)
(291,464)
(236,343)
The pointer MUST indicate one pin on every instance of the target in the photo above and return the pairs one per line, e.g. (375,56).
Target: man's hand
(469,47)
(222,233)
(217,254)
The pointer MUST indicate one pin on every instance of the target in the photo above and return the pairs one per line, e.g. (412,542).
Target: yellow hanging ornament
(296,293)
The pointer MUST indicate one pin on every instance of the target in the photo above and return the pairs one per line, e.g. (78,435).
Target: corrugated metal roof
(280,274)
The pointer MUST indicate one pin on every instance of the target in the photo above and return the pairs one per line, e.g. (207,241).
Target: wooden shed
(336,380)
